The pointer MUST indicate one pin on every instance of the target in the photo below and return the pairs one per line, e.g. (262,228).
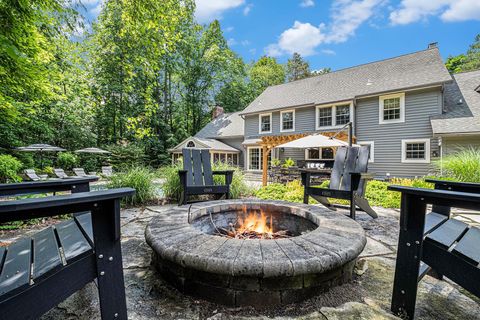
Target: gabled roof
(201,143)
(462,106)
(414,70)
(227,125)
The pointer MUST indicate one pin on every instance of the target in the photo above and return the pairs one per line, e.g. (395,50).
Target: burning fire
(254,222)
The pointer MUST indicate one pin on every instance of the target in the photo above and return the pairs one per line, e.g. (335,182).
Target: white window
(416,151)
(255,157)
(319,154)
(372,149)
(287,119)
(265,123)
(230,158)
(333,116)
(392,108)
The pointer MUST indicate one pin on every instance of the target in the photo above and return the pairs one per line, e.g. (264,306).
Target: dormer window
(392,108)
(265,123)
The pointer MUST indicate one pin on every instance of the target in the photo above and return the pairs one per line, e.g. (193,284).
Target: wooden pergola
(270,142)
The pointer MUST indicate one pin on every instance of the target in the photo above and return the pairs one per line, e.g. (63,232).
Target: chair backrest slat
(32,174)
(207,167)
(338,166)
(187,165)
(197,168)
(60,173)
(350,164)
(362,167)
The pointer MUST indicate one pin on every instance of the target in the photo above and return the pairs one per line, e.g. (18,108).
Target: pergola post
(265,150)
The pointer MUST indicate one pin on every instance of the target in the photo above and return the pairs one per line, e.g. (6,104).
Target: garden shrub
(67,160)
(288,163)
(376,192)
(275,162)
(127,155)
(9,168)
(138,178)
(172,189)
(48,170)
(463,165)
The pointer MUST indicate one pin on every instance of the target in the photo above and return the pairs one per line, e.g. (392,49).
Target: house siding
(419,107)
(455,144)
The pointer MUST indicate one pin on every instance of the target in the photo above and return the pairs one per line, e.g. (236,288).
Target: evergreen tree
(297,68)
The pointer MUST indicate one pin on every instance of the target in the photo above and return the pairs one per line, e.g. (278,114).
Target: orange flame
(255,222)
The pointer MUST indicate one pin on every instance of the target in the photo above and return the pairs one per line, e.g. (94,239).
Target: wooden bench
(197,176)
(38,272)
(434,242)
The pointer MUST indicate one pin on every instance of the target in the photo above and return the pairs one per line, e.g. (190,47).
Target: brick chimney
(216,112)
(432,45)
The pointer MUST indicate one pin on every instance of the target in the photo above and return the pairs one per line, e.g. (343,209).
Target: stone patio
(366,297)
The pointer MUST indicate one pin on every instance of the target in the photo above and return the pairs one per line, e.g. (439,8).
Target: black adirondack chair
(347,180)
(433,243)
(197,176)
(40,271)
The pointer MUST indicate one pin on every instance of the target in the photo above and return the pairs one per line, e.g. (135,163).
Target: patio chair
(107,171)
(433,242)
(197,176)
(32,175)
(36,275)
(60,173)
(348,180)
(80,172)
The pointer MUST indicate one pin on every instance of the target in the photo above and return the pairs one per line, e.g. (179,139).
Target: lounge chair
(107,171)
(433,242)
(60,173)
(32,175)
(80,172)
(348,180)
(197,176)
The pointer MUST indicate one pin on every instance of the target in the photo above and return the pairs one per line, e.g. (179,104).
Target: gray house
(409,110)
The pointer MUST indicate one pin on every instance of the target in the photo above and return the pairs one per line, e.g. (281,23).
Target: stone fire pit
(257,272)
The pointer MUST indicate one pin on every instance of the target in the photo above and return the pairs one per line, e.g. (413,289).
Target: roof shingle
(413,70)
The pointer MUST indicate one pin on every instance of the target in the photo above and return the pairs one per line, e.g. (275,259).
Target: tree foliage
(465,62)
(297,68)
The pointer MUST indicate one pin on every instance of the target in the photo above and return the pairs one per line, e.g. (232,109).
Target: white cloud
(347,16)
(411,11)
(231,42)
(302,38)
(245,43)
(247,9)
(229,29)
(207,10)
(307,3)
(329,52)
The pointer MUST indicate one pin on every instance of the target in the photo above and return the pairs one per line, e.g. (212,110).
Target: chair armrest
(26,209)
(314,172)
(447,198)
(227,173)
(356,177)
(455,186)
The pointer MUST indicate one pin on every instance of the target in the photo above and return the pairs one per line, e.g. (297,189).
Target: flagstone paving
(366,297)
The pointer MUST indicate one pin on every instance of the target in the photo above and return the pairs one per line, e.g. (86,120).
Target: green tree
(264,73)
(465,62)
(297,68)
(321,71)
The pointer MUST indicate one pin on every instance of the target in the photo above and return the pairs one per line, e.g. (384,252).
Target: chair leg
(353,207)
(324,201)
(183,198)
(363,204)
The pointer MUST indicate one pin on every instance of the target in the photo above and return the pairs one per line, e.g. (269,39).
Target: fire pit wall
(254,272)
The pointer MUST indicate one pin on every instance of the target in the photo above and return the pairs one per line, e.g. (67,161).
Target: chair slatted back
(337,170)
(197,164)
(60,173)
(32,174)
(347,160)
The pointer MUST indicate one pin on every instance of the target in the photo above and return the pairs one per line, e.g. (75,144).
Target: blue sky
(339,33)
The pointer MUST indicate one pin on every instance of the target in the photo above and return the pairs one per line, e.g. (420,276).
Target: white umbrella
(93,150)
(314,141)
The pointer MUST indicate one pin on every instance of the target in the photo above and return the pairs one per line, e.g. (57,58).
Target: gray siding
(419,106)
(454,144)
(237,144)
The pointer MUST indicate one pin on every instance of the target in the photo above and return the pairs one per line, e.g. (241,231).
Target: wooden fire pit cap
(336,241)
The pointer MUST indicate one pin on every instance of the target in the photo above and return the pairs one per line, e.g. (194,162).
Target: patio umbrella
(93,150)
(41,148)
(314,141)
